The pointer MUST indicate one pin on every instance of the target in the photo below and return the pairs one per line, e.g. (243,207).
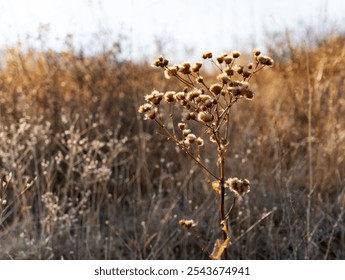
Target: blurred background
(83,176)
(178,28)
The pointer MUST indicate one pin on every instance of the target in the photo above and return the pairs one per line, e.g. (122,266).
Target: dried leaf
(216,186)
(225,227)
(219,248)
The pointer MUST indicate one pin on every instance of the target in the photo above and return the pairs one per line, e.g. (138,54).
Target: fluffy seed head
(256,52)
(196,67)
(150,115)
(236,54)
(190,138)
(154,98)
(237,186)
(181,125)
(205,117)
(185,132)
(228,59)
(207,55)
(265,60)
(199,141)
(199,79)
(145,108)
(216,88)
(223,78)
(187,223)
(169,96)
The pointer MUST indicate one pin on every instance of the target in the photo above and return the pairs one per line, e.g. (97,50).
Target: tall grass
(84,177)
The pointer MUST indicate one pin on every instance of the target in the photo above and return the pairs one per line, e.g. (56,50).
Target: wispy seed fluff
(265,60)
(205,117)
(154,98)
(145,108)
(190,138)
(169,96)
(216,88)
(223,78)
(150,115)
(239,187)
(172,71)
(196,67)
(185,68)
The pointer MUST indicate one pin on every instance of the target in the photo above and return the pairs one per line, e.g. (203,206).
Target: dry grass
(84,177)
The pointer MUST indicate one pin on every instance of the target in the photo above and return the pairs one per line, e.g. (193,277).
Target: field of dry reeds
(83,176)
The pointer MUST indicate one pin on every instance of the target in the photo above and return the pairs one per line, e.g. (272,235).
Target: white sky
(180,25)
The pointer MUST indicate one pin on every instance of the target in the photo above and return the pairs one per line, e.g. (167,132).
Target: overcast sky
(179,25)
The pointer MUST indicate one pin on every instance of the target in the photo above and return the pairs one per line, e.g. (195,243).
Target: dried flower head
(170,72)
(150,115)
(216,88)
(169,96)
(236,54)
(154,98)
(181,125)
(223,78)
(256,52)
(199,141)
(185,68)
(145,108)
(196,67)
(207,55)
(205,117)
(265,60)
(187,223)
(239,187)
(190,138)
(228,59)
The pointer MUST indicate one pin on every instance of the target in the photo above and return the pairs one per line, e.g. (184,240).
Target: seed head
(199,79)
(185,132)
(229,71)
(181,125)
(207,55)
(145,108)
(169,96)
(228,59)
(199,141)
(265,60)
(239,187)
(249,94)
(236,54)
(191,116)
(220,59)
(256,52)
(150,115)
(196,67)
(187,223)
(172,71)
(216,88)
(190,138)
(180,95)
(185,68)
(154,98)
(205,117)
(223,78)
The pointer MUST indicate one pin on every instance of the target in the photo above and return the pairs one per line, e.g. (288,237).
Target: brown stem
(222,195)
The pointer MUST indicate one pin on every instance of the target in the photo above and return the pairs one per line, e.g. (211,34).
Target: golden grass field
(83,176)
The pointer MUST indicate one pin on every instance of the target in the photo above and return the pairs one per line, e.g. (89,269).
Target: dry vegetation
(84,177)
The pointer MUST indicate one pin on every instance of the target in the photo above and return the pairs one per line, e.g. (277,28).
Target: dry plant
(209,105)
